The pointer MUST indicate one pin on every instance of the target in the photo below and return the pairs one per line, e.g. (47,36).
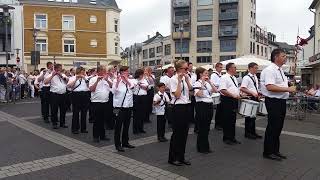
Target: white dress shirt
(317,93)
(165,80)
(46,75)
(101,94)
(160,108)
(250,82)
(22,79)
(138,90)
(193,77)
(215,78)
(226,83)
(150,81)
(58,84)
(273,75)
(184,98)
(80,85)
(206,88)
(123,94)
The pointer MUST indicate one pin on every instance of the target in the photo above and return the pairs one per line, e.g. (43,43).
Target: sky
(140,18)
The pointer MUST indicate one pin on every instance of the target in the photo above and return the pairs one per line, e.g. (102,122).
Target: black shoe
(64,126)
(206,152)
(119,149)
(228,142)
(96,140)
(218,128)
(272,157)
(258,136)
(175,163)
(75,132)
(55,127)
(281,155)
(105,139)
(128,146)
(143,132)
(236,141)
(250,136)
(188,163)
(162,139)
(84,131)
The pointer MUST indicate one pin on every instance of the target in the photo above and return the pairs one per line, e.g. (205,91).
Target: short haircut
(56,66)
(123,68)
(252,64)
(229,65)
(49,63)
(275,53)
(218,64)
(100,68)
(138,73)
(161,85)
(79,69)
(189,63)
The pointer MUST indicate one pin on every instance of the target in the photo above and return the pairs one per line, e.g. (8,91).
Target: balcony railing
(177,35)
(228,33)
(228,16)
(228,1)
(180,3)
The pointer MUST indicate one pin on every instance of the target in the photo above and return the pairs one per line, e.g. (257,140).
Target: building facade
(15,34)
(207,31)
(71,32)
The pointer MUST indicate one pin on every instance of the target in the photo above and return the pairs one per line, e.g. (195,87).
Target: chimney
(148,37)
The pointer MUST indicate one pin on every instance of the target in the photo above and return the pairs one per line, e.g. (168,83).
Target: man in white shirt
(193,79)
(250,87)
(230,94)
(45,91)
(151,81)
(100,88)
(215,79)
(274,86)
(23,82)
(166,80)
(58,89)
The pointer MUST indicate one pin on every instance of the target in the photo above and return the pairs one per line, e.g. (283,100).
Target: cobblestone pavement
(32,150)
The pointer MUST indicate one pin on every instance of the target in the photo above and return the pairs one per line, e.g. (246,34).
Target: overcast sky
(140,18)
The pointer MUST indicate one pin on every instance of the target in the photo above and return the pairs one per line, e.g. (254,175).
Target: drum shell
(249,108)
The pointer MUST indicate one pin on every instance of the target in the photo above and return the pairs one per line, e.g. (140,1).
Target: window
(251,32)
(204,2)
(250,47)
(266,52)
(181,15)
(204,59)
(229,45)
(258,49)
(93,19)
(69,46)
(225,58)
(204,46)
(204,31)
(41,21)
(159,49)
(116,24)
(144,63)
(167,49)
(68,23)
(145,54)
(159,62)
(93,43)
(116,48)
(253,48)
(205,15)
(151,53)
(152,63)
(41,45)
(261,51)
(184,48)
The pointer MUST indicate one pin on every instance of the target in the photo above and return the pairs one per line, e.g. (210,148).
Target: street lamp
(6,16)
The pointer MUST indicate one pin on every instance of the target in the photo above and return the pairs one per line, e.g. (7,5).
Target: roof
(153,38)
(86,3)
(314,4)
(284,45)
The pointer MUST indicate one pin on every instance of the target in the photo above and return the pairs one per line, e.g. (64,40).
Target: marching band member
(45,91)
(140,102)
(179,87)
(58,87)
(80,100)
(230,94)
(249,87)
(100,89)
(215,79)
(203,89)
(274,86)
(166,80)
(151,81)
(90,74)
(122,89)
(159,101)
(112,75)
(193,79)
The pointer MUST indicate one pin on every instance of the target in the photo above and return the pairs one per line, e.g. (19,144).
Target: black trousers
(23,88)
(91,114)
(218,116)
(180,128)
(140,112)
(150,94)
(122,123)
(204,114)
(250,125)
(110,121)
(276,114)
(192,106)
(45,102)
(68,100)
(100,114)
(80,105)
(161,126)
(229,108)
(58,103)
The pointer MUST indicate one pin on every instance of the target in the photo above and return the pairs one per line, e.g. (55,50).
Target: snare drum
(262,107)
(248,108)
(216,98)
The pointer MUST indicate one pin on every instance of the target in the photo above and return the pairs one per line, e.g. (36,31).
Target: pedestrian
(274,86)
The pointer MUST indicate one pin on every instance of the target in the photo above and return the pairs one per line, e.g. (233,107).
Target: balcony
(228,16)
(180,3)
(228,1)
(228,32)
(177,35)
(2,30)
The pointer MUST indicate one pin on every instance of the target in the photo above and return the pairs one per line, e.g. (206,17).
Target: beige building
(207,31)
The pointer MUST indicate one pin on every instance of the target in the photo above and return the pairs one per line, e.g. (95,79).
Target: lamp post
(6,17)
(181,29)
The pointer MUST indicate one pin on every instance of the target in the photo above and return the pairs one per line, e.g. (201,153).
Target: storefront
(313,69)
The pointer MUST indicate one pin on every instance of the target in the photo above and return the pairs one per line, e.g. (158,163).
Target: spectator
(23,82)
(3,85)
(31,79)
